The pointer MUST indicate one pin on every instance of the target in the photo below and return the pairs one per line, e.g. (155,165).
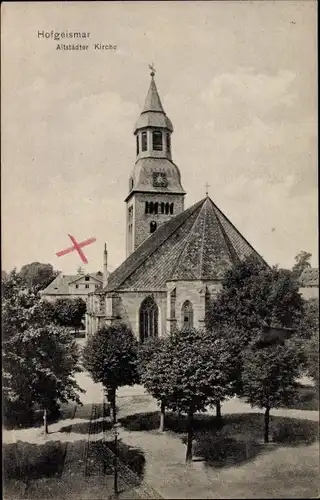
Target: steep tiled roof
(200,243)
(60,285)
(309,277)
(153,114)
(153,102)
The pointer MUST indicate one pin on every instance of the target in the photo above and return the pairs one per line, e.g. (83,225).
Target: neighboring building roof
(60,285)
(153,114)
(309,277)
(198,244)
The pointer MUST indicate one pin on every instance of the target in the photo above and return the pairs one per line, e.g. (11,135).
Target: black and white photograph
(159,263)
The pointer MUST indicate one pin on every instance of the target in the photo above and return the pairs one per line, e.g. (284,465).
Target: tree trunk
(190,434)
(162,415)
(218,409)
(113,406)
(45,421)
(266,424)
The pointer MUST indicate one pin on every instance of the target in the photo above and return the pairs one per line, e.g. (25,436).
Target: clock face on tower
(160,179)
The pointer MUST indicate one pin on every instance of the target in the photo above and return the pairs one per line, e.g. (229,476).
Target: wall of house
(83,286)
(309,292)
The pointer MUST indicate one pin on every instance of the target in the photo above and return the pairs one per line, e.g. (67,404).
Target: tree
(154,362)
(312,358)
(37,275)
(269,377)
(254,296)
(197,374)
(39,358)
(42,361)
(110,356)
(302,262)
(309,321)
(69,312)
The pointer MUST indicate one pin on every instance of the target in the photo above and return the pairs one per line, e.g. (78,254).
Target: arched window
(147,208)
(168,143)
(155,207)
(137,144)
(162,208)
(144,141)
(130,183)
(167,208)
(148,319)
(151,207)
(157,140)
(153,226)
(171,208)
(187,315)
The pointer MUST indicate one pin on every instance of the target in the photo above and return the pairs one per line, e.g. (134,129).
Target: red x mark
(77,246)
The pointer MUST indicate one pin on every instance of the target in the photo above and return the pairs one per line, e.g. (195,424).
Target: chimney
(105,266)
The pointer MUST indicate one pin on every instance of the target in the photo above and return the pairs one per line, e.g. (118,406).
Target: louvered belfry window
(157,140)
(148,319)
(144,141)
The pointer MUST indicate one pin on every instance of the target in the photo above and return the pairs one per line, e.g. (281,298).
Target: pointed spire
(153,102)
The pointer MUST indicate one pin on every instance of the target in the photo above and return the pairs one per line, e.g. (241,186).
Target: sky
(238,81)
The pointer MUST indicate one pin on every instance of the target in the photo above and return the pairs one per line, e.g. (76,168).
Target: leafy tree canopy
(69,312)
(39,358)
(37,275)
(269,374)
(110,356)
(253,296)
(302,262)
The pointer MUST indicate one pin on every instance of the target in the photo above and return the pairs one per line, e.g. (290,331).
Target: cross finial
(207,187)
(153,71)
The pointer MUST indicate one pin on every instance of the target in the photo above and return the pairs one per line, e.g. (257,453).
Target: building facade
(176,258)
(72,286)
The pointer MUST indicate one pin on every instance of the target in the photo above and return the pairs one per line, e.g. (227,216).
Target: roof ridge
(238,232)
(230,247)
(202,246)
(183,215)
(184,248)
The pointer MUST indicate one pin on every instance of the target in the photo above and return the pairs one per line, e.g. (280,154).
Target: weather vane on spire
(153,71)
(207,187)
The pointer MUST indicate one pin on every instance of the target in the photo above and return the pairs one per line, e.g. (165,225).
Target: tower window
(157,140)
(146,210)
(162,208)
(168,143)
(155,207)
(130,183)
(153,226)
(144,141)
(87,278)
(171,208)
(137,139)
(167,208)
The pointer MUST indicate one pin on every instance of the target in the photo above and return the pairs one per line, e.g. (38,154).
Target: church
(175,257)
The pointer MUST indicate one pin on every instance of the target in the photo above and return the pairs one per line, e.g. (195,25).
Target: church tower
(155,190)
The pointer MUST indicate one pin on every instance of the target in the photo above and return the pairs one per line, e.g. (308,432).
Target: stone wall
(141,220)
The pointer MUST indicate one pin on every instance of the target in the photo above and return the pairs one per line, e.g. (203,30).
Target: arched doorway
(149,315)
(187,315)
